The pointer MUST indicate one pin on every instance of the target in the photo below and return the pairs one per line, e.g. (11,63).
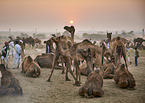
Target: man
(127,50)
(4,57)
(11,48)
(136,55)
(17,54)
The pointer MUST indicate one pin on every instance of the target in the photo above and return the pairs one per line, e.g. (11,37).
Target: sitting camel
(93,85)
(30,68)
(86,67)
(123,77)
(109,68)
(9,84)
(46,60)
(109,71)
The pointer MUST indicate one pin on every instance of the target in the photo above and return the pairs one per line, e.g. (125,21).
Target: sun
(71,21)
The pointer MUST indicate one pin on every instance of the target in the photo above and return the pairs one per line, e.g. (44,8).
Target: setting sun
(71,21)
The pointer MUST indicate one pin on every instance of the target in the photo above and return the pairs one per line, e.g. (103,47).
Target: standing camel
(119,50)
(73,52)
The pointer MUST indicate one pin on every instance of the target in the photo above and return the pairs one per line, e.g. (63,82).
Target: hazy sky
(49,15)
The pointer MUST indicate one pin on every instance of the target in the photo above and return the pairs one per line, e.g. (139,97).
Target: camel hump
(86,40)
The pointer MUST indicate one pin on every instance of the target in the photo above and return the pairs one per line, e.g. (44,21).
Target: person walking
(17,55)
(4,56)
(136,54)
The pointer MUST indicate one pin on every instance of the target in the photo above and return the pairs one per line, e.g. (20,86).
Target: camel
(62,43)
(74,54)
(118,50)
(122,39)
(109,71)
(87,67)
(84,69)
(50,44)
(93,85)
(139,41)
(9,84)
(30,68)
(46,60)
(69,51)
(123,77)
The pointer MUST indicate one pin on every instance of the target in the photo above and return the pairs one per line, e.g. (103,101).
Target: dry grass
(37,90)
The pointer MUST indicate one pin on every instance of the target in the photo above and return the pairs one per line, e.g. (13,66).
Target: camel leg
(77,73)
(124,56)
(53,66)
(66,76)
(62,69)
(69,66)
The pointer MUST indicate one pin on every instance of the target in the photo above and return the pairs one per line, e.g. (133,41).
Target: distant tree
(116,32)
(123,32)
(25,35)
(131,32)
(40,36)
(85,35)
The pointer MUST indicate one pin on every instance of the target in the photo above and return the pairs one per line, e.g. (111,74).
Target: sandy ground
(37,90)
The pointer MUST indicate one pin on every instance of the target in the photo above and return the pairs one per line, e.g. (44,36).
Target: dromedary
(30,68)
(65,48)
(46,60)
(123,77)
(93,85)
(87,67)
(74,54)
(118,50)
(9,84)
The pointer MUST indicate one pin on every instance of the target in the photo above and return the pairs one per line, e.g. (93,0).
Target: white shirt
(17,50)
(11,45)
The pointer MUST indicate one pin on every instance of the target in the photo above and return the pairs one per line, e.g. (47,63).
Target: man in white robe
(17,55)
(11,48)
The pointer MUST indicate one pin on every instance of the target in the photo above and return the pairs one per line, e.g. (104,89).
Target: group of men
(14,49)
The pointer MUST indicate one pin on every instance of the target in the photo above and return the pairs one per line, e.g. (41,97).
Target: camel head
(48,42)
(119,49)
(70,29)
(109,36)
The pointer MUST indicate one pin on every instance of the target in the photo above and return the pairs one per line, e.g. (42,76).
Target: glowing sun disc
(71,21)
